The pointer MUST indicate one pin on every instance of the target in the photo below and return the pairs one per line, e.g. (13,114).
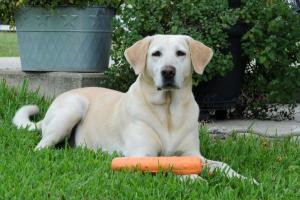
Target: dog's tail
(21,118)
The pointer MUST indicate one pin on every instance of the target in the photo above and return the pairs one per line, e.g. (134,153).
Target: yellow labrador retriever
(158,116)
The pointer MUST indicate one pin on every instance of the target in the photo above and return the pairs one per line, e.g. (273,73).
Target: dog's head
(168,59)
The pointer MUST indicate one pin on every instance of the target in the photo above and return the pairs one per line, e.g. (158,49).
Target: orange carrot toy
(178,165)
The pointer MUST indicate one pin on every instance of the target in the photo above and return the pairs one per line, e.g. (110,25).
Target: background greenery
(273,79)
(67,173)
(204,20)
(269,82)
(271,41)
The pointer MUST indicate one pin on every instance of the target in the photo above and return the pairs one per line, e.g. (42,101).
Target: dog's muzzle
(168,78)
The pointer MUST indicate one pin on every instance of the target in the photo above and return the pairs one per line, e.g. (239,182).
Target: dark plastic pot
(221,93)
(66,39)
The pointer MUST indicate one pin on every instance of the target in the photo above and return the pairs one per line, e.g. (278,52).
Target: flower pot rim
(72,6)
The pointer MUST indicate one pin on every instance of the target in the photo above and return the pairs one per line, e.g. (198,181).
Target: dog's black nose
(168,72)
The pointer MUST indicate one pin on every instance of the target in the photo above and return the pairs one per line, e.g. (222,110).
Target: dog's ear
(136,55)
(200,55)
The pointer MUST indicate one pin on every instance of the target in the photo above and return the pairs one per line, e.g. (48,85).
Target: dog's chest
(169,117)
(174,126)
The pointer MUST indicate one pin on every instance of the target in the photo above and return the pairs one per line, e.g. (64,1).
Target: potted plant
(62,35)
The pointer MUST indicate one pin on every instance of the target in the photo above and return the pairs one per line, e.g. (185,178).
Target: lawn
(8,44)
(68,173)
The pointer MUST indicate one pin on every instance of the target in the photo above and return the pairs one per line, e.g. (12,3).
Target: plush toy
(183,165)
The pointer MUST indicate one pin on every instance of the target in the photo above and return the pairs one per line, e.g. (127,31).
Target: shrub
(271,41)
(204,20)
(272,78)
(9,7)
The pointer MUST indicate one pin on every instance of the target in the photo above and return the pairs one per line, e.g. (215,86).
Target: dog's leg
(213,165)
(58,128)
(217,165)
(225,168)
(60,120)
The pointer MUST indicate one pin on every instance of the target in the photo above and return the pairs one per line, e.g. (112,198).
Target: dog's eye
(180,53)
(156,53)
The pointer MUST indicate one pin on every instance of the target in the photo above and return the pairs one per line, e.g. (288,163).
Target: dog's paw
(255,182)
(192,177)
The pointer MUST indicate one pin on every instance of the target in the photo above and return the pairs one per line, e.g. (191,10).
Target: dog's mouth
(168,86)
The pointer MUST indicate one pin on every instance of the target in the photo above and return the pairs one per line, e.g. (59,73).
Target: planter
(66,39)
(222,92)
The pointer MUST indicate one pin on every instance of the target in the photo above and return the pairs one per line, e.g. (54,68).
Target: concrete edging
(51,84)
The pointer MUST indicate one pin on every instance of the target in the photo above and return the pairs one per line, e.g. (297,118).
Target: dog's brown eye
(156,53)
(180,53)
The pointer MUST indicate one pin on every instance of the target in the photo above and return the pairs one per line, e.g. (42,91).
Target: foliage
(271,43)
(204,20)
(9,7)
(272,78)
(273,32)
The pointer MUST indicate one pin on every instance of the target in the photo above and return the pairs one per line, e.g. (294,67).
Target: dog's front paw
(192,177)
(255,182)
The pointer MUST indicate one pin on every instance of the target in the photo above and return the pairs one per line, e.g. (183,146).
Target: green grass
(82,174)
(8,44)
